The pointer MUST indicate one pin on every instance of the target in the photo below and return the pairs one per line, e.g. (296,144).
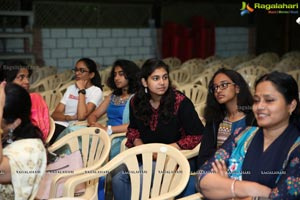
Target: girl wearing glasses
(19,73)
(228,107)
(79,99)
(260,162)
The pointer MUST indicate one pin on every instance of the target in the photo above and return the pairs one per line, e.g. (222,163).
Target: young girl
(23,156)
(228,107)
(81,98)
(123,82)
(158,114)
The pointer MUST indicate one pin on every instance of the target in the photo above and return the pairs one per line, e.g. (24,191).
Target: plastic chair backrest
(169,179)
(94,144)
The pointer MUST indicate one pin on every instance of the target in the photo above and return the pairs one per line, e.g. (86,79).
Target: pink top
(40,114)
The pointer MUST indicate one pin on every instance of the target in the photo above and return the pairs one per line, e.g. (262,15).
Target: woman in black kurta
(184,128)
(160,114)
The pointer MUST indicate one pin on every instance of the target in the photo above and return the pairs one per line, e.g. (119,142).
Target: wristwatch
(82,91)
(109,130)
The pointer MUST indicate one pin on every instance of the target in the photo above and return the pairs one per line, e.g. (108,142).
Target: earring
(146,90)
(10,136)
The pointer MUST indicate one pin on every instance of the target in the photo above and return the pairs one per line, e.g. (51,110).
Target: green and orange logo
(246,9)
(270,8)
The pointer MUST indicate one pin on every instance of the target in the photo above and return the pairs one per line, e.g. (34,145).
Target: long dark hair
(287,86)
(10,69)
(130,70)
(96,80)
(217,112)
(140,103)
(18,105)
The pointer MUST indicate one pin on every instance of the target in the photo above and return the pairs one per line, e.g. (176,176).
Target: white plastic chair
(170,176)
(94,144)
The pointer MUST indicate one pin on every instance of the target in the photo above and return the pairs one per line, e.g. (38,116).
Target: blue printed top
(277,167)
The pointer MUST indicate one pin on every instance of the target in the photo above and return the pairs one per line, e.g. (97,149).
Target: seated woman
(81,98)
(228,107)
(23,156)
(123,82)
(260,161)
(158,114)
(17,72)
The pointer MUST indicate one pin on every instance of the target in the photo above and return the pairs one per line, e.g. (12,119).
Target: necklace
(117,100)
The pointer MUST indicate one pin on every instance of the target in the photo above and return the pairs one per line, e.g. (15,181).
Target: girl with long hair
(23,156)
(158,114)
(228,107)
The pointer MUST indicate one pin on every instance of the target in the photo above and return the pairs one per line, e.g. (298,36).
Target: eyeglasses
(22,77)
(81,70)
(222,86)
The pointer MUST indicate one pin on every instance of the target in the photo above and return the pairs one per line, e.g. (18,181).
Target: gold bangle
(1,131)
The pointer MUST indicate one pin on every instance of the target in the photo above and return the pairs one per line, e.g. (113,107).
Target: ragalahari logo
(246,9)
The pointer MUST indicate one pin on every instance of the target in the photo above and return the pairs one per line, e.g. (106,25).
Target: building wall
(232,41)
(62,47)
